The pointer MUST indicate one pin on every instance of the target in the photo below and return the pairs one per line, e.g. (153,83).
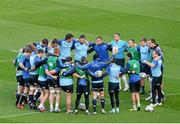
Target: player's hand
(83,76)
(133,72)
(129,72)
(145,61)
(26,69)
(55,77)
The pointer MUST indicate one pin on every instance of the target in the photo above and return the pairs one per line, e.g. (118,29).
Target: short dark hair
(28,50)
(95,56)
(132,40)
(68,59)
(129,55)
(157,52)
(82,36)
(152,40)
(44,41)
(143,39)
(54,41)
(117,34)
(99,37)
(40,51)
(68,36)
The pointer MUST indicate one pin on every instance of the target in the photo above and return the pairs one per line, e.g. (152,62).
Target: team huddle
(45,69)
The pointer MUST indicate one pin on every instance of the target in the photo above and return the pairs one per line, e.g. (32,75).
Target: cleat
(112,111)
(94,113)
(138,109)
(75,111)
(87,112)
(126,89)
(103,111)
(117,110)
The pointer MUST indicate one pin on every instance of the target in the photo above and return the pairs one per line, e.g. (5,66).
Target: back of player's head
(28,50)
(129,55)
(83,59)
(68,59)
(40,51)
(95,56)
(44,41)
(68,36)
(82,36)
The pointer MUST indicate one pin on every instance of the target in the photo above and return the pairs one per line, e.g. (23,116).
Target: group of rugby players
(45,69)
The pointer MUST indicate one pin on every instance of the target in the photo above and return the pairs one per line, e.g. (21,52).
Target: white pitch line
(10,116)
(6,60)
(15,51)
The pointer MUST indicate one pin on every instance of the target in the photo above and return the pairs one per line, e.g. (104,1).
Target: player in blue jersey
(154,46)
(144,68)
(114,71)
(52,45)
(19,76)
(95,69)
(83,87)
(65,46)
(120,47)
(24,65)
(101,49)
(81,47)
(133,70)
(43,44)
(156,77)
(33,79)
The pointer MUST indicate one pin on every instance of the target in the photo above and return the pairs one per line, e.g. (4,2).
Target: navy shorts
(53,83)
(82,89)
(135,87)
(27,83)
(44,85)
(67,89)
(145,68)
(113,87)
(20,80)
(120,62)
(156,80)
(98,87)
(33,80)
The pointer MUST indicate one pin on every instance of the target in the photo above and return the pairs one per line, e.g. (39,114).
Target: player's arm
(83,67)
(21,65)
(152,65)
(69,72)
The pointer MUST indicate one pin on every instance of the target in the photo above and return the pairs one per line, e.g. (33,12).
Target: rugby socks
(87,101)
(94,102)
(111,94)
(22,98)
(17,98)
(36,97)
(31,97)
(102,103)
(117,99)
(78,97)
(125,81)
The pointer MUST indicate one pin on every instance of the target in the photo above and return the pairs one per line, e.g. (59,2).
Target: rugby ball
(115,50)
(149,108)
(82,106)
(99,73)
(143,75)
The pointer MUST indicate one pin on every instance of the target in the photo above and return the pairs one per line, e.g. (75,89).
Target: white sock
(125,81)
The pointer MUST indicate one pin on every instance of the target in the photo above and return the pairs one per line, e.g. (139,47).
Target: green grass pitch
(24,21)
